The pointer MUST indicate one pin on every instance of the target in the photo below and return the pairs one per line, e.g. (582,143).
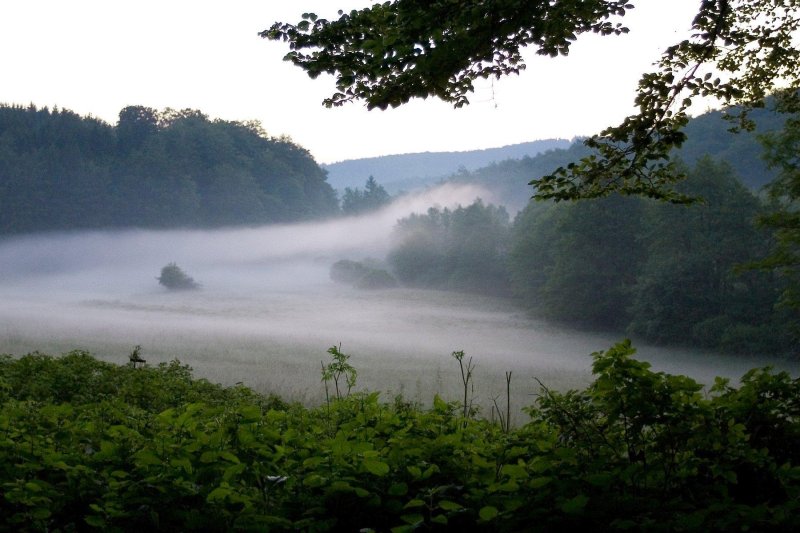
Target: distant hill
(153,169)
(707,134)
(409,171)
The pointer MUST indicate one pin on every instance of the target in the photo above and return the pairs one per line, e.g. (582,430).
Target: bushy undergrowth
(86,444)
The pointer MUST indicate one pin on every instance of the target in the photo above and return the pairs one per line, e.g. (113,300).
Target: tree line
(153,169)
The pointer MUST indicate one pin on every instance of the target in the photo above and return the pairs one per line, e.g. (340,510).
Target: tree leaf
(488,513)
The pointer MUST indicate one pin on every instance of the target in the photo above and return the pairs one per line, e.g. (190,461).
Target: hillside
(408,171)
(61,171)
(707,134)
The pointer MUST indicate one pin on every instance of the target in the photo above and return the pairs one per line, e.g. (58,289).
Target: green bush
(174,278)
(361,276)
(90,445)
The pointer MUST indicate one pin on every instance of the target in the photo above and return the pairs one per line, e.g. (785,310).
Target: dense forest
(665,273)
(459,249)
(153,169)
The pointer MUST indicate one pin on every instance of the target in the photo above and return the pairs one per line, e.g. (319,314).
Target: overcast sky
(98,56)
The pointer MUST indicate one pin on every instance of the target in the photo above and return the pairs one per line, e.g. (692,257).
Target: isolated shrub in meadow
(347,271)
(173,277)
(361,276)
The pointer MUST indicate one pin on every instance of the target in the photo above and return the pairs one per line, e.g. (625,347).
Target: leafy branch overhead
(391,52)
(739,52)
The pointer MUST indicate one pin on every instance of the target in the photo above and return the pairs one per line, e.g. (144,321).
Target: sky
(95,57)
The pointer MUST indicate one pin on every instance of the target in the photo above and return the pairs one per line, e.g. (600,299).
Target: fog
(267,311)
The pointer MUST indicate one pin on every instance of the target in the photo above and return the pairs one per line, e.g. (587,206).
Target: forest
(153,169)
(662,273)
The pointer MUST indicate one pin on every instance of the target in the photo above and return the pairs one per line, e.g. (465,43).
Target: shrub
(174,278)
(87,444)
(376,279)
(346,271)
(361,276)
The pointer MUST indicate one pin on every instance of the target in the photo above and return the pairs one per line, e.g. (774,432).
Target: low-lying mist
(267,311)
(277,257)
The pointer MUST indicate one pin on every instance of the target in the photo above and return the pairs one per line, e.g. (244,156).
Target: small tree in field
(338,368)
(174,278)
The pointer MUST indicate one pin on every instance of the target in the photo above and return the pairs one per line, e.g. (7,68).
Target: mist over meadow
(268,310)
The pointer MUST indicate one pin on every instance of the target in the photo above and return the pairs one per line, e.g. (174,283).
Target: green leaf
(515,471)
(40,513)
(575,505)
(209,457)
(600,480)
(379,468)
(95,521)
(398,489)
(440,405)
(33,487)
(185,464)
(539,482)
(147,458)
(414,503)
(314,480)
(313,462)
(488,513)
(250,414)
(430,471)
(439,519)
(228,456)
(412,519)
(219,494)
(448,505)
(233,471)
(340,486)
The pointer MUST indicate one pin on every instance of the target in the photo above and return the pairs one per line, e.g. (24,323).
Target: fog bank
(104,263)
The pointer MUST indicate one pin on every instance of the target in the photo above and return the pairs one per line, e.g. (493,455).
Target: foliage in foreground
(86,444)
